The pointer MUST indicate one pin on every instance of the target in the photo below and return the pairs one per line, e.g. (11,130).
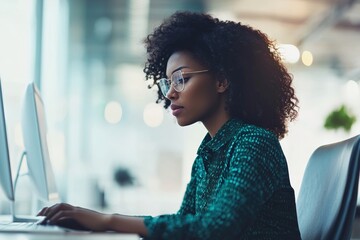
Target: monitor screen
(35,142)
(5,169)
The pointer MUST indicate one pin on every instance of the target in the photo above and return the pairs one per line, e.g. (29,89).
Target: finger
(42,212)
(62,214)
(51,211)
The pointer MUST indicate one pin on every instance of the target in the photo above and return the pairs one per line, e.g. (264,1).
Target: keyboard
(31,227)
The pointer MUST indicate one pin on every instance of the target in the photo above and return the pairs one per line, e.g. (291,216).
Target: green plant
(340,118)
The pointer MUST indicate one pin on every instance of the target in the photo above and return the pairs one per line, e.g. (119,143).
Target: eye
(186,79)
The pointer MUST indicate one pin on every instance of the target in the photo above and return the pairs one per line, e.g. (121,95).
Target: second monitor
(34,129)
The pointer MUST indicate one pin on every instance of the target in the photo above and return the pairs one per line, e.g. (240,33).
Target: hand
(66,215)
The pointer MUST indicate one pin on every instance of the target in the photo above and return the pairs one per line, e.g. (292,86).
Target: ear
(222,85)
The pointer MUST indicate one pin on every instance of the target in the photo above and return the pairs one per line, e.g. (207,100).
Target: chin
(184,122)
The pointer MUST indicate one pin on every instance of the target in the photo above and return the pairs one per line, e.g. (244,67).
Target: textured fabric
(239,189)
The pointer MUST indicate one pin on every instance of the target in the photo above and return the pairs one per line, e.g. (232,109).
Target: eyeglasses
(177,81)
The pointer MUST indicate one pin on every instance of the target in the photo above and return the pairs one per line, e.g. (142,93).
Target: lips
(176,109)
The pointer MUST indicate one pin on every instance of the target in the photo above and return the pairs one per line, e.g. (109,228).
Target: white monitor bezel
(35,142)
(5,166)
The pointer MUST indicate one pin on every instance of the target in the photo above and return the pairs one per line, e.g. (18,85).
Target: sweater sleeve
(251,180)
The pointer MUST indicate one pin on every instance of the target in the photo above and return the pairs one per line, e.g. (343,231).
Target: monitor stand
(14,217)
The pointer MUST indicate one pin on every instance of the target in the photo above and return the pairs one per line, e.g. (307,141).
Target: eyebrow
(179,68)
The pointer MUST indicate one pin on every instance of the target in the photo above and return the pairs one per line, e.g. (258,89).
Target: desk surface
(72,236)
(61,236)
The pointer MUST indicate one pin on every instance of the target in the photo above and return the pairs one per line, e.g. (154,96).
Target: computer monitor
(5,168)
(36,152)
(34,130)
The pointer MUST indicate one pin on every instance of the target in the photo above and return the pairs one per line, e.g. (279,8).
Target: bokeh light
(113,112)
(289,53)
(153,115)
(307,58)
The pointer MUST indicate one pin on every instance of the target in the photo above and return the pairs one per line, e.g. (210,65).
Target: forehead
(181,59)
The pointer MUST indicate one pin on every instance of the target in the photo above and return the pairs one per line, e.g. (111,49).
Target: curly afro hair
(260,91)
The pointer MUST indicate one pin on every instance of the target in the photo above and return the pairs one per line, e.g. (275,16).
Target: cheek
(201,95)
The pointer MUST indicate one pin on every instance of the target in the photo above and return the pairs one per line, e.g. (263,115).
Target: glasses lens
(164,86)
(177,81)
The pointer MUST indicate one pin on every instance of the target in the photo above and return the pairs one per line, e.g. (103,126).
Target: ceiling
(330,29)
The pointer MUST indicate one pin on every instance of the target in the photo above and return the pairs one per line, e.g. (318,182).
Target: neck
(214,126)
(216,120)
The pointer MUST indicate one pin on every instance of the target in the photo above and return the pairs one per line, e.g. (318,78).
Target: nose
(172,93)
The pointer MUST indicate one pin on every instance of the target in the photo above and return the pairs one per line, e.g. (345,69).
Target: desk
(61,236)
(72,236)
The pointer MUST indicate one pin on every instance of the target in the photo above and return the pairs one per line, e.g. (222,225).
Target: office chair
(327,198)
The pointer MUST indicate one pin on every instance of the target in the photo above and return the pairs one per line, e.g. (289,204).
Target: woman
(229,77)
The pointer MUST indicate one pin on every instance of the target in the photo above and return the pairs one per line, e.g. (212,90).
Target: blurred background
(112,148)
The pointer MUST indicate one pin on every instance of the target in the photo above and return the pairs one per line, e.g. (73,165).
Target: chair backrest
(327,198)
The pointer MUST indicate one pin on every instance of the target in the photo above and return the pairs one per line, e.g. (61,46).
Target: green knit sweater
(239,189)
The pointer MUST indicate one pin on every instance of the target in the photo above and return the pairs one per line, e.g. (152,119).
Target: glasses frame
(181,81)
